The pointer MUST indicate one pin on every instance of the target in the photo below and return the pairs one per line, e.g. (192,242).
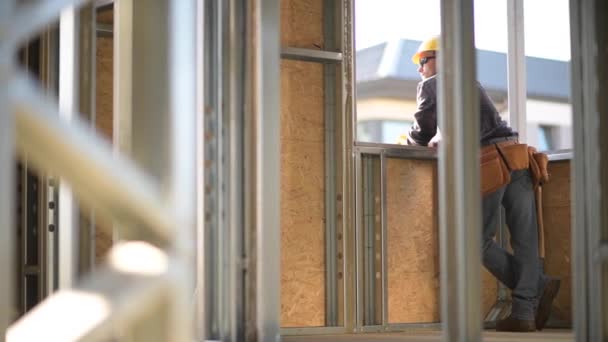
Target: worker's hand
(434,143)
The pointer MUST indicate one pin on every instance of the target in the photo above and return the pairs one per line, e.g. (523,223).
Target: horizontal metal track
(397,151)
(311,55)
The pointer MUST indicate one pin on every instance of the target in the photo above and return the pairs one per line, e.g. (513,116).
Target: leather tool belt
(498,160)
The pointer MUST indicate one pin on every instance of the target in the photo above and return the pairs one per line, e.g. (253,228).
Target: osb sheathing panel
(302,23)
(105,17)
(556,215)
(104,79)
(103,121)
(412,241)
(302,195)
(413,244)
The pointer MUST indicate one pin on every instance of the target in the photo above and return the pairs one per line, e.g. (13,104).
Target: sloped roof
(387,65)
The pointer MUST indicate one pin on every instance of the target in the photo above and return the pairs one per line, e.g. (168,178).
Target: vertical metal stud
(516,66)
(86,35)
(268,171)
(384,237)
(459,196)
(181,176)
(200,322)
(348,165)
(7,169)
(68,104)
(590,188)
(329,86)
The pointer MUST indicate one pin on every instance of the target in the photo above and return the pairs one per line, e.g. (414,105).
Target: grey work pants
(518,271)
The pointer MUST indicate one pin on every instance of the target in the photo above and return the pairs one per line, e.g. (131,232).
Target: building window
(382,131)
(545,138)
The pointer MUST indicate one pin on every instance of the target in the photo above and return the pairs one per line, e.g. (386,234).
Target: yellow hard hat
(431,44)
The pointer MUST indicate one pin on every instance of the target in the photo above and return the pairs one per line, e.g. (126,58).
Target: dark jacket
(425,124)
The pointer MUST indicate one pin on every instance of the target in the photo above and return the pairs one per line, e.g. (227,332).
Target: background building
(386,93)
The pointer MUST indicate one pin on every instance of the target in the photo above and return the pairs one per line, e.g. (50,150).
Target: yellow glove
(402,139)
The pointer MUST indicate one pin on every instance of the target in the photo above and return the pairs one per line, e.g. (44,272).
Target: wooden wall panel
(412,241)
(413,244)
(302,23)
(104,122)
(558,252)
(104,79)
(302,195)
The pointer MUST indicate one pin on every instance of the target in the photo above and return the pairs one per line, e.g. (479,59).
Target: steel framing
(459,200)
(112,183)
(516,68)
(7,174)
(589,232)
(68,234)
(331,35)
(336,106)
(145,208)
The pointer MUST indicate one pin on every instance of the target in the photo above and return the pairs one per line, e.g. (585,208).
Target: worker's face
(428,64)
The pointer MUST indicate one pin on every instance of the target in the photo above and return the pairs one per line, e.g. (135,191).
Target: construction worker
(532,291)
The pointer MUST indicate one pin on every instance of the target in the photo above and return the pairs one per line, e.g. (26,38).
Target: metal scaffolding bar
(7,167)
(590,186)
(35,16)
(267,201)
(459,194)
(69,27)
(237,72)
(213,241)
(201,267)
(133,283)
(110,183)
(516,66)
(183,131)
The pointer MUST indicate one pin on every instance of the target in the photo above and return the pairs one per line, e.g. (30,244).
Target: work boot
(515,325)
(545,302)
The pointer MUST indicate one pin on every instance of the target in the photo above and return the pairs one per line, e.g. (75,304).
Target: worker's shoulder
(428,86)
(428,83)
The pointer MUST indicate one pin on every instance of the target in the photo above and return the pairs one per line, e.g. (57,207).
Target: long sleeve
(425,124)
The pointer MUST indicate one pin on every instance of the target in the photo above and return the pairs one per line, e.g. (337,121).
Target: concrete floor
(546,335)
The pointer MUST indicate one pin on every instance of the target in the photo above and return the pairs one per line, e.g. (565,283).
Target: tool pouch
(538,167)
(515,155)
(494,172)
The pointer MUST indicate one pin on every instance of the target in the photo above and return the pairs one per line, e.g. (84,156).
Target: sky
(546,24)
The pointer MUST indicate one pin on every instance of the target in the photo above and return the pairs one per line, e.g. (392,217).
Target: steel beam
(516,66)
(459,194)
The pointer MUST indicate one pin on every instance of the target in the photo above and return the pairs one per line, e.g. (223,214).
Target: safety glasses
(425,60)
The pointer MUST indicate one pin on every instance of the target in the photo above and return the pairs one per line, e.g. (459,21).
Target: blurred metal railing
(144,287)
